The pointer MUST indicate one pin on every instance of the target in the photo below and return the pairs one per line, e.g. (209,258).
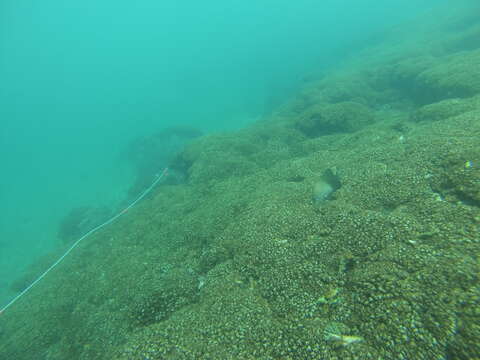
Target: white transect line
(142,195)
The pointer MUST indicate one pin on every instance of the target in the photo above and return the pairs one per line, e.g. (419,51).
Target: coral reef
(150,154)
(237,261)
(80,220)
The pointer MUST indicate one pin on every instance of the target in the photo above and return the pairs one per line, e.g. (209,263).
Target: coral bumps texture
(241,262)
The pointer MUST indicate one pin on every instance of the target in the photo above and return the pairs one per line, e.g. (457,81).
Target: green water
(240,252)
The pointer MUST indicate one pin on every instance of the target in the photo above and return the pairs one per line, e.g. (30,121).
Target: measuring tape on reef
(160,176)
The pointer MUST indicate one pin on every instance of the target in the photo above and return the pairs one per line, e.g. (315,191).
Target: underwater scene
(274,180)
